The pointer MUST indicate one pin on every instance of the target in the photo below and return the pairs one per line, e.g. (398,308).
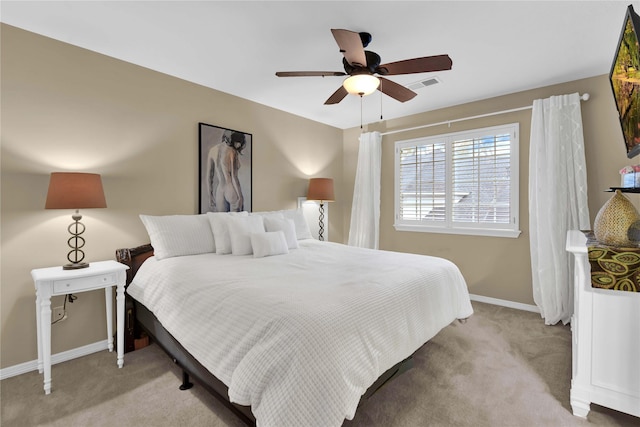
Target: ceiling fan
(365,71)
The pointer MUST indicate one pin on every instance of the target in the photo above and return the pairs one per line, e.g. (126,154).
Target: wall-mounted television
(625,82)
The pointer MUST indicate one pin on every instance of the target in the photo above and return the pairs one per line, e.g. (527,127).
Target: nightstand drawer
(83,283)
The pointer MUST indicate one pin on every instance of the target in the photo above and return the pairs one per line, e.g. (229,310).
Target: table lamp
(75,190)
(321,189)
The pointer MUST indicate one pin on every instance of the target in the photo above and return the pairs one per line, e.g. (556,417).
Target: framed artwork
(625,82)
(224,169)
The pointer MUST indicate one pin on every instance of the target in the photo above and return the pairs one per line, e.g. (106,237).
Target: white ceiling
(497,47)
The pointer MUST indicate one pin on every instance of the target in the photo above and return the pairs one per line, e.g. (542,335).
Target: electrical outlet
(57,314)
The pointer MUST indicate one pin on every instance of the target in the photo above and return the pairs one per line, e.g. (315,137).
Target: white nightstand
(56,281)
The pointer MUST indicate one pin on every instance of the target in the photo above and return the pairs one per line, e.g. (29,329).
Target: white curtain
(557,201)
(365,210)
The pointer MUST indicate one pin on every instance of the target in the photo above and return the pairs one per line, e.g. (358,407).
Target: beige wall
(69,109)
(496,267)
(65,108)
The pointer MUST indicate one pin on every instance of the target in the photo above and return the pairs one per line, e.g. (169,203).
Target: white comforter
(300,337)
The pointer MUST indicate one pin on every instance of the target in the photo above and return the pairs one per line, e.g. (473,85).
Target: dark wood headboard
(133,257)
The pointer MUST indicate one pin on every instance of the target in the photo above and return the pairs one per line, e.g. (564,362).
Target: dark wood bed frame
(139,318)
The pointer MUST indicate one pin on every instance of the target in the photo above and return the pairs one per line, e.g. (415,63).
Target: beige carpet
(503,367)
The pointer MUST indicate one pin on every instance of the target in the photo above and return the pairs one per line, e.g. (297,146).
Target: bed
(296,336)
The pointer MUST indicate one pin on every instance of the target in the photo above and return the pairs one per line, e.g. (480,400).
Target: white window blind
(464,182)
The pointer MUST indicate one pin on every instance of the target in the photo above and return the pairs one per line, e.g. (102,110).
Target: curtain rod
(584,97)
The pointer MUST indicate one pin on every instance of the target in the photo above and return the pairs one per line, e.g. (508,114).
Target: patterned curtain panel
(557,200)
(364,230)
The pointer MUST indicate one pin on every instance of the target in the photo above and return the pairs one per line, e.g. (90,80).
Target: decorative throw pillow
(302,227)
(178,235)
(286,225)
(297,215)
(218,225)
(268,244)
(240,229)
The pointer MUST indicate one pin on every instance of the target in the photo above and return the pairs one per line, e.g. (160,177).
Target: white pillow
(297,215)
(179,235)
(286,225)
(302,227)
(218,225)
(268,244)
(240,229)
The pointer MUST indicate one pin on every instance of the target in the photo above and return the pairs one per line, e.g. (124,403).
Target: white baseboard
(25,367)
(505,303)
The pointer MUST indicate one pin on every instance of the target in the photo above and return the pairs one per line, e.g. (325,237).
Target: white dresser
(606,341)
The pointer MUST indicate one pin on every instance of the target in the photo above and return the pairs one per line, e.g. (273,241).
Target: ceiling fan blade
(337,96)
(416,65)
(395,90)
(350,45)
(309,73)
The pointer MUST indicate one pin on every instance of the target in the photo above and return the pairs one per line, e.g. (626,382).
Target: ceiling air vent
(423,83)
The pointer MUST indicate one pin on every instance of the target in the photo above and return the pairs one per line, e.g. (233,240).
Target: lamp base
(75,242)
(321,222)
(75,266)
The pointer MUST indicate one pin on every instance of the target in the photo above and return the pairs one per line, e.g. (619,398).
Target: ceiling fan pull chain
(360,111)
(380,100)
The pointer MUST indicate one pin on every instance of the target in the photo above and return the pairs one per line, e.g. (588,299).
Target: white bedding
(300,337)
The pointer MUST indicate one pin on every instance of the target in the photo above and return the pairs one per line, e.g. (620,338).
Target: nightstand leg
(120,323)
(39,331)
(108,298)
(45,323)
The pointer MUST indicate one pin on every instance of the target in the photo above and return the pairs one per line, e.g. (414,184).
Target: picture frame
(225,175)
(624,77)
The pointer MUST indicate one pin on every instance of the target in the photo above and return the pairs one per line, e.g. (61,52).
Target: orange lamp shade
(321,189)
(75,190)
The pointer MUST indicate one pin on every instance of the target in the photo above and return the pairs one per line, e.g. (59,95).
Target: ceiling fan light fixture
(361,84)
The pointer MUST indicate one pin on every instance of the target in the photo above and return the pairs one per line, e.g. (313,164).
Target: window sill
(513,234)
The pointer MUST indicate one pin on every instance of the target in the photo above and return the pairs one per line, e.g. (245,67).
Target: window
(462,183)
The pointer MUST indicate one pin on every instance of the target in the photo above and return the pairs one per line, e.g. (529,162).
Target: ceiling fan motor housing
(373,61)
